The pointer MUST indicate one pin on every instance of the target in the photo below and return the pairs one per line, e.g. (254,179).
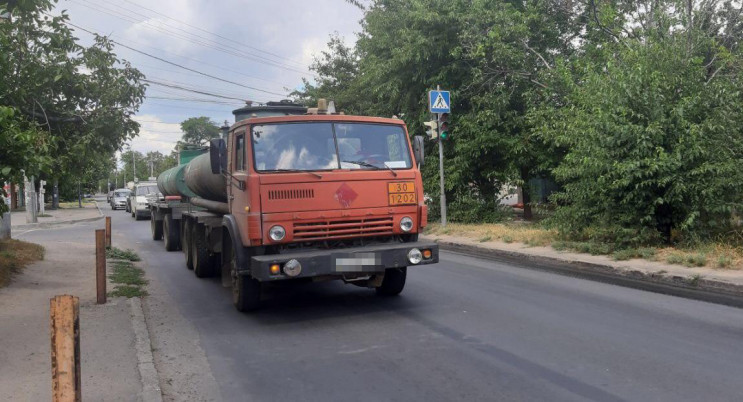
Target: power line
(189,37)
(212,33)
(192,100)
(190,90)
(173,63)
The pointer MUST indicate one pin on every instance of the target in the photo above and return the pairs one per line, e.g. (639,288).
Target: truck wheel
(186,243)
(393,282)
(200,253)
(246,291)
(156,227)
(171,235)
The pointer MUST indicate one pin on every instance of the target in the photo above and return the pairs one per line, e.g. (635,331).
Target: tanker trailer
(165,215)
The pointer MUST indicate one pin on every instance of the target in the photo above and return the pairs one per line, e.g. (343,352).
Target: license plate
(356,262)
(401,193)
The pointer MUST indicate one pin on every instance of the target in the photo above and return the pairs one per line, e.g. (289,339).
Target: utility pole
(134,165)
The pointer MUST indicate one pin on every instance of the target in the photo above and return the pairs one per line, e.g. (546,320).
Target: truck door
(238,198)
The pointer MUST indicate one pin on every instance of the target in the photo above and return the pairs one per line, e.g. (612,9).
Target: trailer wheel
(393,282)
(246,291)
(156,227)
(171,234)
(186,243)
(202,266)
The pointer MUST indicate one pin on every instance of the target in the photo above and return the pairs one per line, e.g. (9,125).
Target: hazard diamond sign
(438,102)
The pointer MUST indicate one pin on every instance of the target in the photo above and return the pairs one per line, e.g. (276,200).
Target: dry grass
(16,255)
(717,256)
(73,204)
(505,232)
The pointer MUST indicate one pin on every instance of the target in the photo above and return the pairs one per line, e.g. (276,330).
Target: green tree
(197,131)
(83,97)
(652,128)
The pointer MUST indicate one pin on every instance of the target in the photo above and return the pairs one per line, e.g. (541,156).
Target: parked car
(119,198)
(141,197)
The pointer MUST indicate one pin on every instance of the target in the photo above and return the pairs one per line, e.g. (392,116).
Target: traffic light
(432,129)
(444,125)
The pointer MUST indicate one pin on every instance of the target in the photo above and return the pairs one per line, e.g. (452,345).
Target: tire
(393,282)
(202,261)
(186,243)
(137,216)
(156,228)
(171,233)
(246,291)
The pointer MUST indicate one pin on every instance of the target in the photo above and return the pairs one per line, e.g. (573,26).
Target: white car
(140,198)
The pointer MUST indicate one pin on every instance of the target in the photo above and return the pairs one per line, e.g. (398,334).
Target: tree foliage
(197,131)
(630,105)
(81,97)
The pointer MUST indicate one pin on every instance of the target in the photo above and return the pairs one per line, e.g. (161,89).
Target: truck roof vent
(296,194)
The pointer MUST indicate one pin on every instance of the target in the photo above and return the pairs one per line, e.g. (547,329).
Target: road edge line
(705,289)
(148,375)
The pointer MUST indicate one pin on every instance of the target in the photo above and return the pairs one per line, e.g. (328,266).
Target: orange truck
(303,195)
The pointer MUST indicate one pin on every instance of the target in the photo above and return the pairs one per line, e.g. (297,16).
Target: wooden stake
(65,322)
(108,232)
(100,265)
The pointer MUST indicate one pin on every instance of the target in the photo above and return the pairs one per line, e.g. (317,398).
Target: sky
(263,47)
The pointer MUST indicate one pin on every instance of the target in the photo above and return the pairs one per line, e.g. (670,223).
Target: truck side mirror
(418,149)
(218,155)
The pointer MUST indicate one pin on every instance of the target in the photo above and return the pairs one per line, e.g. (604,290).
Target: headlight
(406,224)
(415,256)
(276,233)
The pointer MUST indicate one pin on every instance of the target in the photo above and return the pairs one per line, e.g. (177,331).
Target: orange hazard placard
(401,193)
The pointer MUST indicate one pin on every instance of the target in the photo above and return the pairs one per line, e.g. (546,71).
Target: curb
(701,289)
(148,375)
(49,225)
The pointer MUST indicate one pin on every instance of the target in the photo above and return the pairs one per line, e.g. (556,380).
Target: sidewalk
(722,281)
(109,359)
(89,212)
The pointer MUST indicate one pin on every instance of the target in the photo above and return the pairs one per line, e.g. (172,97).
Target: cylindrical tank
(171,182)
(200,179)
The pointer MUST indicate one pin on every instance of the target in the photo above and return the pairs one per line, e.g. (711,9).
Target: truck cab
(318,197)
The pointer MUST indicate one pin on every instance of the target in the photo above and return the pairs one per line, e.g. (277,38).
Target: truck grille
(291,194)
(342,228)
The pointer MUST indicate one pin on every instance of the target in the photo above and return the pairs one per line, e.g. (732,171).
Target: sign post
(439,102)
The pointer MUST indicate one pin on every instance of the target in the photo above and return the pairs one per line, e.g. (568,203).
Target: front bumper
(339,262)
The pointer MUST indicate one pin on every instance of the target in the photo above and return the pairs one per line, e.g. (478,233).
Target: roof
(316,118)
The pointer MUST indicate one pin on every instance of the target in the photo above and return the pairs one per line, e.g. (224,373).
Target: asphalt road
(464,329)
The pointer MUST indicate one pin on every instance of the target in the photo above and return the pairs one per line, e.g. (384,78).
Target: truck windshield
(325,146)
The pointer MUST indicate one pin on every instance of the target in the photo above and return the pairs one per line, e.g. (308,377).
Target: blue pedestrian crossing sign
(438,102)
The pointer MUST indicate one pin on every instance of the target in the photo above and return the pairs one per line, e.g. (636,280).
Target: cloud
(255,38)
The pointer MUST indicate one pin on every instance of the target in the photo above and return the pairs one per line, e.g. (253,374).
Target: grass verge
(710,255)
(15,255)
(128,280)
(115,253)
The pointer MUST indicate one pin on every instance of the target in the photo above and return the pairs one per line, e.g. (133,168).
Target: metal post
(65,323)
(42,191)
(100,265)
(441,167)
